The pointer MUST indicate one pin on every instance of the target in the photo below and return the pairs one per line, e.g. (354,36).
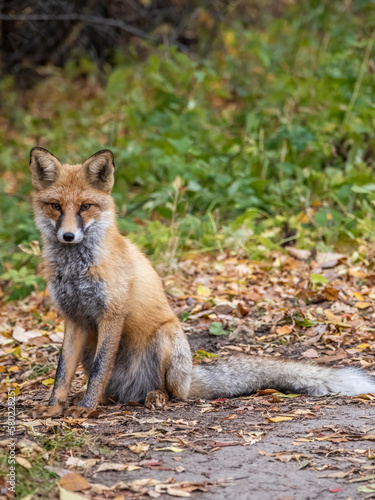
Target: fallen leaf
(57,337)
(203,290)
(120,467)
(279,419)
(48,381)
(298,253)
(24,462)
(283,330)
(170,448)
(331,293)
(69,495)
(139,447)
(328,260)
(362,305)
(362,347)
(310,353)
(21,335)
(74,482)
(216,328)
(369,488)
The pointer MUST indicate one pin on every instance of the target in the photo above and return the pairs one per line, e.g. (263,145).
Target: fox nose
(68,236)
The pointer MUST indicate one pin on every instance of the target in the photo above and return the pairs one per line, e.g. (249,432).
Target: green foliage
(267,139)
(216,328)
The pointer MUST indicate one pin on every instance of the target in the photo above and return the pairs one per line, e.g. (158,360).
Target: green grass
(36,480)
(39,481)
(267,138)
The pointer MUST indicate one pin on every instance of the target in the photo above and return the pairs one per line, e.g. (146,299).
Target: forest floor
(317,307)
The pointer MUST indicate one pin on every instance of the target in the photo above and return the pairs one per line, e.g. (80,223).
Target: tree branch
(114,23)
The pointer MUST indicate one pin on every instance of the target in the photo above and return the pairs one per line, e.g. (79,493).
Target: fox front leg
(74,339)
(108,341)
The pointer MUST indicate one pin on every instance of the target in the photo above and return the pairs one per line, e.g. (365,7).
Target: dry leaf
(170,448)
(283,330)
(203,290)
(139,447)
(299,254)
(310,353)
(74,482)
(24,462)
(327,260)
(69,495)
(362,305)
(21,335)
(279,419)
(120,467)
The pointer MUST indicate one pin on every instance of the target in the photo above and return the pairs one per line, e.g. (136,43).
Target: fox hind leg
(177,375)
(179,371)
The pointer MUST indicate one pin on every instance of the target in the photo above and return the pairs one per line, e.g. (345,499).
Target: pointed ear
(100,169)
(45,168)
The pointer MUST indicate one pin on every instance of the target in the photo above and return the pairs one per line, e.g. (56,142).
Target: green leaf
(318,279)
(216,328)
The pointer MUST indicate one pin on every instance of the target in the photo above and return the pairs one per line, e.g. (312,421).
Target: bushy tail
(243,375)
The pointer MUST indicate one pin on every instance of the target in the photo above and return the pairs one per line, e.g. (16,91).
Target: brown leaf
(279,419)
(74,482)
(283,330)
(299,254)
(331,293)
(362,305)
(327,260)
(310,353)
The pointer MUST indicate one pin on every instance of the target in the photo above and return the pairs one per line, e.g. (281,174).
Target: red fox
(118,322)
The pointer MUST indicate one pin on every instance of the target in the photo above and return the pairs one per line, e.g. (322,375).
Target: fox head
(72,201)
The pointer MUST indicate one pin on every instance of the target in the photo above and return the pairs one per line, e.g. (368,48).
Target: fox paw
(48,411)
(81,412)
(156,399)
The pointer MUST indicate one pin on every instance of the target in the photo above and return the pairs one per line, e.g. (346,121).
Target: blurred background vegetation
(239,126)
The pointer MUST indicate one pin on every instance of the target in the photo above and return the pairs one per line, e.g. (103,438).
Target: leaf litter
(295,305)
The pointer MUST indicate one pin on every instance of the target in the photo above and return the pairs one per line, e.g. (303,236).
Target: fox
(118,322)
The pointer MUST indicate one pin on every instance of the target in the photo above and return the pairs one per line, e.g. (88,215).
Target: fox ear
(100,169)
(45,168)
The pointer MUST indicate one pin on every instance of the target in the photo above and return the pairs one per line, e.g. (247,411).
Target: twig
(115,23)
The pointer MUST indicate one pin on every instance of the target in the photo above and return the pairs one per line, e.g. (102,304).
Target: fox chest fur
(79,296)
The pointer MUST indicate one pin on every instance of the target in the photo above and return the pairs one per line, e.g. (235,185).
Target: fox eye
(56,206)
(86,206)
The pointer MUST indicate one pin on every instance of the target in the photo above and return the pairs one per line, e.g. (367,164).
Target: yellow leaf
(335,320)
(366,396)
(362,347)
(283,330)
(139,447)
(203,290)
(358,296)
(48,381)
(304,219)
(50,316)
(362,305)
(15,391)
(13,368)
(279,419)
